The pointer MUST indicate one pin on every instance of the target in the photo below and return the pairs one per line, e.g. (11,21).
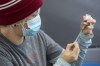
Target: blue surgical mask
(33,26)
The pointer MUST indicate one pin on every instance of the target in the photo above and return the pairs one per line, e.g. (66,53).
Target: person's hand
(71,53)
(87,25)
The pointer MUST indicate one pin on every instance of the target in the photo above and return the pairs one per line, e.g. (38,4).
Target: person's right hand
(71,53)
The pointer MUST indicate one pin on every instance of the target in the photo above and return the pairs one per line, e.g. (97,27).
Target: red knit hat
(12,11)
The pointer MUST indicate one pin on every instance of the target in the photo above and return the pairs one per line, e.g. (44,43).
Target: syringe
(87,16)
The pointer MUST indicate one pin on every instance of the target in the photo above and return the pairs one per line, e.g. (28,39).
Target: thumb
(76,50)
(69,47)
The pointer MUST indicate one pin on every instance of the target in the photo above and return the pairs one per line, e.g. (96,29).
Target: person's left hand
(87,25)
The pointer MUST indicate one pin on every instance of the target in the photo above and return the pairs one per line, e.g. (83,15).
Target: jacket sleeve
(61,62)
(84,42)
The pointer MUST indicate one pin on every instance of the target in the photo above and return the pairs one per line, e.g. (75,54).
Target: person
(23,43)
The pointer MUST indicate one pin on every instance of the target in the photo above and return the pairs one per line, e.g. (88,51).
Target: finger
(83,25)
(92,21)
(89,27)
(87,32)
(76,45)
(86,26)
(76,50)
(85,19)
(73,46)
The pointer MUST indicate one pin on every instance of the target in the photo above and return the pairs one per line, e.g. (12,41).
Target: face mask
(33,26)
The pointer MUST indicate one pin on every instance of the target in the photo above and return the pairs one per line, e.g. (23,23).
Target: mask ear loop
(23,28)
(22,23)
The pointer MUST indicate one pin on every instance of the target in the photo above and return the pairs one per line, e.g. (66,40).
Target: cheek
(19,29)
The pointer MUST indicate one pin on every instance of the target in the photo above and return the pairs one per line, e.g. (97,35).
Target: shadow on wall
(61,19)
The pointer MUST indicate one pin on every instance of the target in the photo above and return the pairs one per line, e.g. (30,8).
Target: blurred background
(61,20)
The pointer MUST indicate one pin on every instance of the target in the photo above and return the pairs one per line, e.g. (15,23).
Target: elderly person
(22,43)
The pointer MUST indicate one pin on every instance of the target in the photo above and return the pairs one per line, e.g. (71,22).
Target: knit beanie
(12,11)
